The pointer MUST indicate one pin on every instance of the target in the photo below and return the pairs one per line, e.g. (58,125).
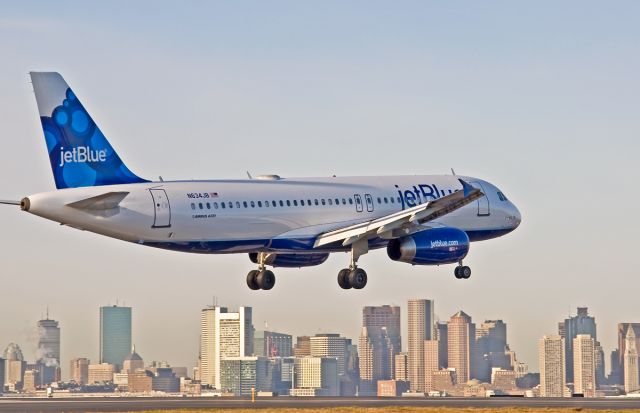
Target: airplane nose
(516,217)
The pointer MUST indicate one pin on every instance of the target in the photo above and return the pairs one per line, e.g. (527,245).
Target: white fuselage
(225,216)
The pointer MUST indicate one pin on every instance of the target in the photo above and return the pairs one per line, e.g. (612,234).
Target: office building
(552,366)
(370,362)
(441,333)
(392,388)
(223,334)
(30,379)
(402,367)
(383,327)
(617,366)
(584,365)
(165,380)
(302,347)
(48,352)
(272,344)
(140,381)
(331,345)
(238,375)
(420,319)
(461,342)
(631,370)
(1,376)
(491,346)
(582,323)
(79,370)
(503,379)
(14,366)
(132,362)
(115,334)
(431,363)
(316,376)
(101,373)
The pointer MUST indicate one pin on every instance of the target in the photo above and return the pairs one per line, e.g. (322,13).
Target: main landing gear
(354,277)
(462,272)
(262,278)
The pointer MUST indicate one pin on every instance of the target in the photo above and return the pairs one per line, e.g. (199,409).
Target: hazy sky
(540,98)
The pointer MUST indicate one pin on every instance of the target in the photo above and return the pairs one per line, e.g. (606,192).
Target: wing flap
(414,216)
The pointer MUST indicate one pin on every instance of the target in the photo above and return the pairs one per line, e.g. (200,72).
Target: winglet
(466,188)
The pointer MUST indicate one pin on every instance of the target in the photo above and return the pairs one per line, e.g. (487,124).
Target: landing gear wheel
(456,272)
(266,279)
(358,278)
(252,282)
(465,272)
(343,279)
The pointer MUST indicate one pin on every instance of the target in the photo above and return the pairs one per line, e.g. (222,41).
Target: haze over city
(540,100)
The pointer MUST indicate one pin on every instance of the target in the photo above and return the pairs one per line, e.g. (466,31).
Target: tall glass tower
(115,334)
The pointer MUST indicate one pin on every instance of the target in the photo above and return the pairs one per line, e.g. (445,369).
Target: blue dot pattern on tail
(80,154)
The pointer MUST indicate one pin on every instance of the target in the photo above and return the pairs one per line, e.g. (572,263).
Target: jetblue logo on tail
(82,154)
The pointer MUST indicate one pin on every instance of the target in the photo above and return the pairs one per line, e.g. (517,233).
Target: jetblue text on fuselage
(82,154)
(419,194)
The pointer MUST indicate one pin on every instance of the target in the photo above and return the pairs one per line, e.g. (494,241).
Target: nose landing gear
(462,272)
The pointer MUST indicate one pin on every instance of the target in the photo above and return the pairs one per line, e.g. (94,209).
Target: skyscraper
(223,334)
(552,366)
(369,357)
(79,371)
(582,323)
(431,363)
(302,347)
(383,326)
(402,367)
(631,378)
(14,365)
(461,338)
(491,344)
(618,374)
(48,351)
(584,365)
(441,331)
(420,319)
(272,344)
(115,334)
(331,345)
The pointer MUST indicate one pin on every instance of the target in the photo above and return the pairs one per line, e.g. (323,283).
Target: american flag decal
(213,194)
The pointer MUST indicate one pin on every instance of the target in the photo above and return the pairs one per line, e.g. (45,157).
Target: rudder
(79,153)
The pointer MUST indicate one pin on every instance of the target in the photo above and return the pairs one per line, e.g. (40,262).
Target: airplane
(277,222)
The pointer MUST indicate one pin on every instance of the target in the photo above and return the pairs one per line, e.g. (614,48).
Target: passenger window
(193,206)
(244,203)
(288,203)
(399,201)
(295,202)
(379,200)
(386,200)
(208,205)
(253,204)
(350,201)
(259,204)
(281,203)
(308,202)
(315,201)
(200,205)
(215,205)
(392,200)
(237,204)
(330,201)
(266,203)
(302,202)
(230,205)
(337,201)
(344,201)
(323,202)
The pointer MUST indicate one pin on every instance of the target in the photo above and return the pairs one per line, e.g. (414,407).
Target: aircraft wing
(396,224)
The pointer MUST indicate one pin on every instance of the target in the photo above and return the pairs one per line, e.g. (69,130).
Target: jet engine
(430,247)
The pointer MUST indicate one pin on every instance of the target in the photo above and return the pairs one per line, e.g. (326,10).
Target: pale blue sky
(540,98)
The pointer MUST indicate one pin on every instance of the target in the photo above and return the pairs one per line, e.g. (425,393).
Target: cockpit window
(501,196)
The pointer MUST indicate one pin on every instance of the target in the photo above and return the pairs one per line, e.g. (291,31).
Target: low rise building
(392,388)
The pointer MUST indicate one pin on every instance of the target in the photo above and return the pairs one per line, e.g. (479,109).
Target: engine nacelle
(430,247)
(291,260)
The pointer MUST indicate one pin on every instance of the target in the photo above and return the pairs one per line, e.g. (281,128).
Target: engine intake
(430,247)
(291,260)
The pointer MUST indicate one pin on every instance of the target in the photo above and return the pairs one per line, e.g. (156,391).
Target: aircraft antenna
(161,180)
(249,175)
(453,172)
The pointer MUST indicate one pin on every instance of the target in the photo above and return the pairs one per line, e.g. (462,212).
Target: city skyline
(543,103)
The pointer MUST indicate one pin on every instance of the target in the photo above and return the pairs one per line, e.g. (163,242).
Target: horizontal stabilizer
(109,200)
(5,202)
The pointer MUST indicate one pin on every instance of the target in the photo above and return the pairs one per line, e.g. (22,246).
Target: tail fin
(80,155)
